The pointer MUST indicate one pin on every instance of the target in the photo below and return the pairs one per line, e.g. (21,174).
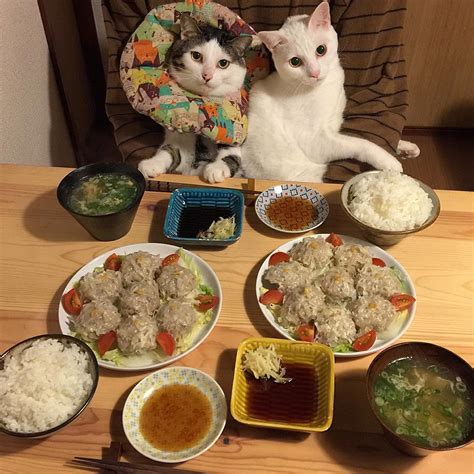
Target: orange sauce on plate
(175,417)
(291,213)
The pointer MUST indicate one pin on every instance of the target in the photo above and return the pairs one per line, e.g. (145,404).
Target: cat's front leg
(226,165)
(158,164)
(338,146)
(406,149)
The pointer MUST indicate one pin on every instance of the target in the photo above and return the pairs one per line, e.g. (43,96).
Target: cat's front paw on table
(216,172)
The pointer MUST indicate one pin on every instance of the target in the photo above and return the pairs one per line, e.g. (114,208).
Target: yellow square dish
(317,356)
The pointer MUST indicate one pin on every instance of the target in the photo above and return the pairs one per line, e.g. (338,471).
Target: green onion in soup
(103,194)
(424,403)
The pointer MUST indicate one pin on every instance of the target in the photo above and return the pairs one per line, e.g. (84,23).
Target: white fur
(294,118)
(406,149)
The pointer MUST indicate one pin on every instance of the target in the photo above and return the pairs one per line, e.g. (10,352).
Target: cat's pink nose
(207,76)
(314,74)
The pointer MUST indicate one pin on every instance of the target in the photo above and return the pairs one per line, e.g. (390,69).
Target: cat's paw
(392,165)
(407,149)
(155,166)
(216,172)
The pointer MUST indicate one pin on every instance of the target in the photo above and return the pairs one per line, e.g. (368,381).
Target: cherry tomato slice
(166,342)
(106,341)
(364,342)
(278,257)
(72,303)
(334,239)
(306,332)
(272,297)
(402,301)
(206,302)
(171,259)
(378,261)
(113,262)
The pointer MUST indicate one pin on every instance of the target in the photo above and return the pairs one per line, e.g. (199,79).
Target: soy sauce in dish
(291,402)
(194,219)
(291,213)
(175,417)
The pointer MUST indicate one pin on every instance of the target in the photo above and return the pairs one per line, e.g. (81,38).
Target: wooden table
(42,246)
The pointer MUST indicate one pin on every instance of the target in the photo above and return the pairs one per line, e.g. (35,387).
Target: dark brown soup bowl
(108,226)
(421,352)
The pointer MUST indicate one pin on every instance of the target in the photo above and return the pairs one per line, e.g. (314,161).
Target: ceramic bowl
(317,357)
(92,368)
(191,210)
(431,354)
(386,237)
(300,218)
(170,376)
(109,226)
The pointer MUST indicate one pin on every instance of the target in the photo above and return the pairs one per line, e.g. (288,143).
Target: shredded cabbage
(221,229)
(264,362)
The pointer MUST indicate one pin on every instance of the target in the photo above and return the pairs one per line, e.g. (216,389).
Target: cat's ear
(272,39)
(321,17)
(240,44)
(189,27)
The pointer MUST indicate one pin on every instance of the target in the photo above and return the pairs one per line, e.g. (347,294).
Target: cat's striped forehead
(211,39)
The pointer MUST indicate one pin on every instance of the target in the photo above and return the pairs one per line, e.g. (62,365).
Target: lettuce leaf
(343,347)
(189,262)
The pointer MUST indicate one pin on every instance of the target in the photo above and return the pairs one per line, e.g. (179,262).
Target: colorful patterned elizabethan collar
(151,91)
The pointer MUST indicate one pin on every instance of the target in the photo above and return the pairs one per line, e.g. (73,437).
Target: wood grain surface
(41,247)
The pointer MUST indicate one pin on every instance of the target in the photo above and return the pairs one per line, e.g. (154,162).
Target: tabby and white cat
(295,113)
(208,62)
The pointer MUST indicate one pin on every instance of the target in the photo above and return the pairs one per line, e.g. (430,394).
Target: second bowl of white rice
(45,382)
(388,205)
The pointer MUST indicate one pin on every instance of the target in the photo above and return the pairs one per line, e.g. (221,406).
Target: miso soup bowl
(420,351)
(108,226)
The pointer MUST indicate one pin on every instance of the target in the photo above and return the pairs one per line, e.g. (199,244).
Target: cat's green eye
(295,62)
(321,50)
(223,63)
(196,55)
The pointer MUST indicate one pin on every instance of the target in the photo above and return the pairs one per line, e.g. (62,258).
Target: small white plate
(270,195)
(398,326)
(136,363)
(170,376)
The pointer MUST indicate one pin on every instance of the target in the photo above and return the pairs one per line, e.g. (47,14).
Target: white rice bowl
(389,201)
(43,385)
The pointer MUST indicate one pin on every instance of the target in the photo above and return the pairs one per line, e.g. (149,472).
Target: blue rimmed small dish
(291,208)
(192,210)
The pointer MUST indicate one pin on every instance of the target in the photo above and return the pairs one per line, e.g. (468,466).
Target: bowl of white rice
(45,383)
(388,206)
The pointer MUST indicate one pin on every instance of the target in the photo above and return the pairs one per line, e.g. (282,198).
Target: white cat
(208,62)
(295,113)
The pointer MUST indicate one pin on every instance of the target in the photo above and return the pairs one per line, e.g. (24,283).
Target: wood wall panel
(439,41)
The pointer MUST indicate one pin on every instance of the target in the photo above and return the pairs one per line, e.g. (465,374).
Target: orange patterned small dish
(291,208)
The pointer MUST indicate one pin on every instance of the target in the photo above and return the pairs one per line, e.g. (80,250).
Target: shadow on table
(53,318)
(40,216)
(355,437)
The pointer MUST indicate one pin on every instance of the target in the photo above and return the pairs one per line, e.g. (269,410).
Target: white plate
(169,376)
(396,329)
(208,275)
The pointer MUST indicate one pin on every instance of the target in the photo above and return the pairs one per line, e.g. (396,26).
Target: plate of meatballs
(141,306)
(336,290)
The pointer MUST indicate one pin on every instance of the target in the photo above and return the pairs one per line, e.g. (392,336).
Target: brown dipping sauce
(291,213)
(175,417)
(291,402)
